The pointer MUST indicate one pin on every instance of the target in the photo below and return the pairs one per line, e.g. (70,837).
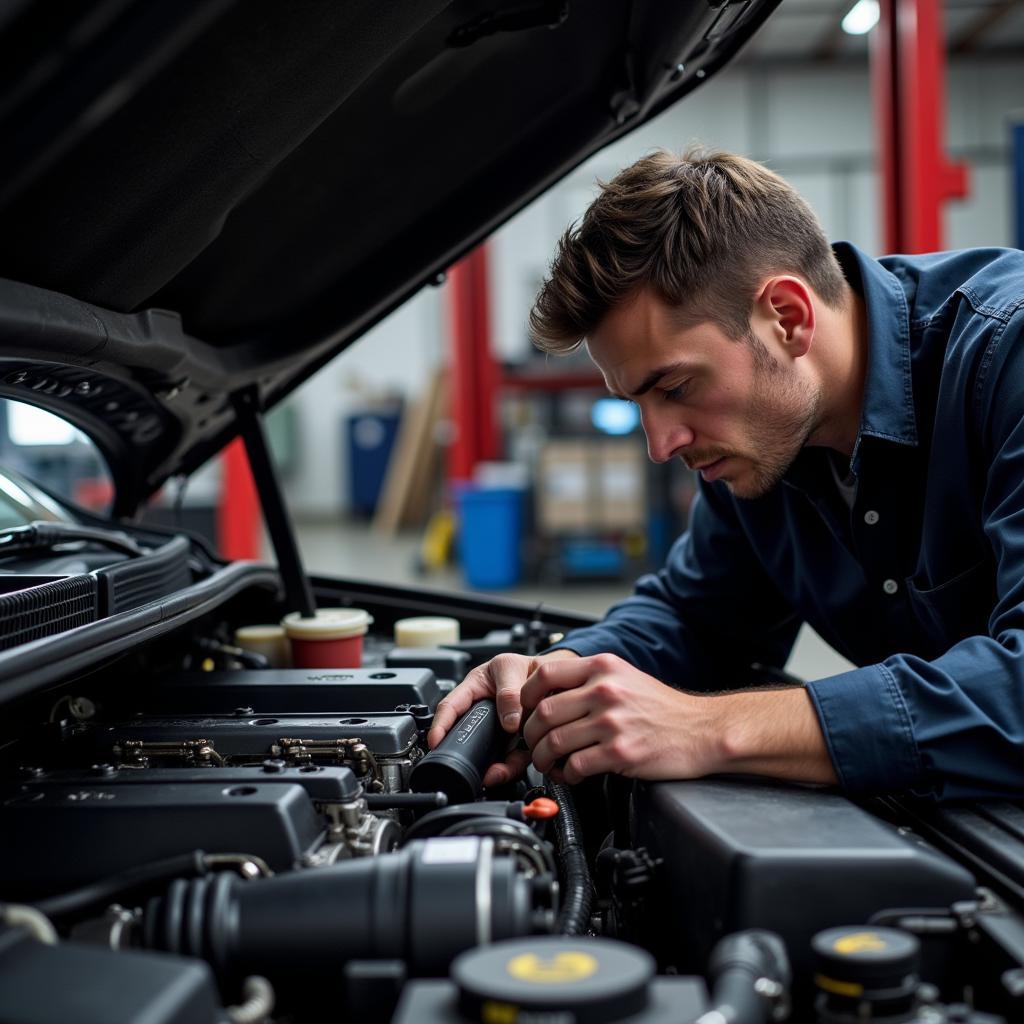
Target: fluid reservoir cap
(867,964)
(597,981)
(426,631)
(328,624)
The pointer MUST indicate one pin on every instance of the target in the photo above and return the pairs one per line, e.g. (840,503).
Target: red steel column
(907,69)
(473,377)
(238,512)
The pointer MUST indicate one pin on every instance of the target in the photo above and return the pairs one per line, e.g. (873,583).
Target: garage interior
(931,135)
(808,98)
(442,475)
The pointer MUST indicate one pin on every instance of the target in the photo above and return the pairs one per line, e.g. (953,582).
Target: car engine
(195,835)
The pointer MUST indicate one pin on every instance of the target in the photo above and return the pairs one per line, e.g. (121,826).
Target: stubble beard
(784,412)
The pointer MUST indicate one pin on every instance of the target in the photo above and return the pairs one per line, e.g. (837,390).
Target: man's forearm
(771,732)
(600,714)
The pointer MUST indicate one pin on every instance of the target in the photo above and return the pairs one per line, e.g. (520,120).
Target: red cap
(542,807)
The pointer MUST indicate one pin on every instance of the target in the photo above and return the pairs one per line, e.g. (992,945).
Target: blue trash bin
(370,437)
(490,531)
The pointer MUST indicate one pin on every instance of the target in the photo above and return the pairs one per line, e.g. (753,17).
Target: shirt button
(890,586)
(871,517)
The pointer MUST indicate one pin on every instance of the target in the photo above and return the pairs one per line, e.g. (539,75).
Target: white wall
(813,125)
(397,356)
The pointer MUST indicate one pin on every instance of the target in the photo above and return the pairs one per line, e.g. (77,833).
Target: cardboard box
(564,489)
(591,486)
(621,485)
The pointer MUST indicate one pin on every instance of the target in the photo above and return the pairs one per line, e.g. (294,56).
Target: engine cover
(113,827)
(303,691)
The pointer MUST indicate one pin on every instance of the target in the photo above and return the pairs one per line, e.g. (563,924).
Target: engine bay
(196,835)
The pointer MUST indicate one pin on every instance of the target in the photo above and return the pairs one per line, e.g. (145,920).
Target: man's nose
(665,436)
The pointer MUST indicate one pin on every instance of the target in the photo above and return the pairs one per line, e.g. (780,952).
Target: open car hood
(204,198)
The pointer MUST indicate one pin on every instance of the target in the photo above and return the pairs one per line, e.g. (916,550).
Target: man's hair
(701,230)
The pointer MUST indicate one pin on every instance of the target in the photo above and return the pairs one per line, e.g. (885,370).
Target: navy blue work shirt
(921,583)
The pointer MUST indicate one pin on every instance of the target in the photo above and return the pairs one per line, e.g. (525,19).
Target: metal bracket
(275,512)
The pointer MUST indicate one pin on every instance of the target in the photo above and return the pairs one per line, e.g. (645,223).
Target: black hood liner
(282,175)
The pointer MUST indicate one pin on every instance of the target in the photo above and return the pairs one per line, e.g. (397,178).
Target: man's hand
(600,714)
(501,678)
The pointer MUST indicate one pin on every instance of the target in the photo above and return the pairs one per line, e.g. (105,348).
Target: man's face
(738,411)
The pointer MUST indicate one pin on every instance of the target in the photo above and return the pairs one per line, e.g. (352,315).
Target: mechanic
(858,427)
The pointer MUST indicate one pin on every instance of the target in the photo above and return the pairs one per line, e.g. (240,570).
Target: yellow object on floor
(438,538)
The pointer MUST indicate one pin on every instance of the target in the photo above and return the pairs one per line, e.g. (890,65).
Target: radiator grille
(32,607)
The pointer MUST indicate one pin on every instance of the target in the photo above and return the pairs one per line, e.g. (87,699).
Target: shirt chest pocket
(957,608)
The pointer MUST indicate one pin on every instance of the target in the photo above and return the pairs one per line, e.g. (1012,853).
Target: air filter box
(741,854)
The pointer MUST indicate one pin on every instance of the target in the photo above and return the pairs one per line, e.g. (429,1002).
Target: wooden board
(412,470)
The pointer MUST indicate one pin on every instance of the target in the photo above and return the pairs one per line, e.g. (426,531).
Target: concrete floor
(349,548)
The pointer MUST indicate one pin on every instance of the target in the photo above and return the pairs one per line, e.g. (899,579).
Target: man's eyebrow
(653,378)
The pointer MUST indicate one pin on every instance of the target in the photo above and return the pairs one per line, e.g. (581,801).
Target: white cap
(270,641)
(426,631)
(329,624)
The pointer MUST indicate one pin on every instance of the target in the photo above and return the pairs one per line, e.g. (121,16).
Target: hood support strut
(298,591)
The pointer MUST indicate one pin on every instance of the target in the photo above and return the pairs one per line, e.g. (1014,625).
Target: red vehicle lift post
(473,379)
(907,70)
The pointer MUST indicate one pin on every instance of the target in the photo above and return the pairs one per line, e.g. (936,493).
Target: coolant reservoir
(426,631)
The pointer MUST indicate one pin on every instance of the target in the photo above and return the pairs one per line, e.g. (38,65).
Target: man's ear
(786,303)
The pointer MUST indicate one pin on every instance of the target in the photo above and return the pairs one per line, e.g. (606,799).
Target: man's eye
(679,391)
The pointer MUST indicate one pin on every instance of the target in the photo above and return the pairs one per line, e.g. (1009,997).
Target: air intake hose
(422,905)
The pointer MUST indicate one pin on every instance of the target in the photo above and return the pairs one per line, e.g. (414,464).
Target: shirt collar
(888,412)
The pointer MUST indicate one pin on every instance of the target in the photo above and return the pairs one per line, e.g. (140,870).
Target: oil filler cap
(874,967)
(583,981)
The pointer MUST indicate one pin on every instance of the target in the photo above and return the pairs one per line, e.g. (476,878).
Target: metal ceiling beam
(805,62)
(967,41)
(829,44)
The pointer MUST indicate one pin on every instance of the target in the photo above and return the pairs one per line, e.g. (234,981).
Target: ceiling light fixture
(861,18)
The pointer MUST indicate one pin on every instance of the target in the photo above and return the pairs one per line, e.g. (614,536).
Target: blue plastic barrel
(490,530)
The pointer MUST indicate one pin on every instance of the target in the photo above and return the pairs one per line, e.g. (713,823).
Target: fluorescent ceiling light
(861,18)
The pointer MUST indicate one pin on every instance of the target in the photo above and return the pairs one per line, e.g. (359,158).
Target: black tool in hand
(456,766)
